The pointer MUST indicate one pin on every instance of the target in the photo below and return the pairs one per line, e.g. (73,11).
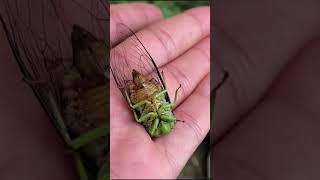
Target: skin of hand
(180,46)
(267,113)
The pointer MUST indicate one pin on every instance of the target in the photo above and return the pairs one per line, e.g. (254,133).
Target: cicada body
(84,90)
(150,107)
(143,86)
(84,86)
(66,66)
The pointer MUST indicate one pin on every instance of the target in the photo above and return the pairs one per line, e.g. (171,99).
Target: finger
(179,145)
(168,39)
(135,15)
(283,128)
(187,70)
(253,56)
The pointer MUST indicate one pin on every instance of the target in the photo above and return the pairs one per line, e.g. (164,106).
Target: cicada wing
(39,33)
(131,55)
(34,53)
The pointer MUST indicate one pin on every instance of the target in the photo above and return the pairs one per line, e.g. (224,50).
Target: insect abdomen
(145,93)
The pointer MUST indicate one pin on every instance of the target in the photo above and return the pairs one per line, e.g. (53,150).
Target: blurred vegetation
(169,8)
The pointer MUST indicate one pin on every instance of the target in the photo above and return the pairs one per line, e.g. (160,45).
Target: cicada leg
(84,140)
(163,92)
(130,104)
(175,95)
(146,116)
(159,94)
(89,137)
(165,113)
(141,103)
(165,86)
(128,99)
(154,127)
(74,144)
(144,103)
(80,167)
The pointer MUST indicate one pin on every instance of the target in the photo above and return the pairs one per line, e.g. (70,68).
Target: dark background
(266,119)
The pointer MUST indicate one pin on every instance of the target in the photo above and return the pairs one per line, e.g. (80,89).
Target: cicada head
(81,38)
(90,54)
(138,78)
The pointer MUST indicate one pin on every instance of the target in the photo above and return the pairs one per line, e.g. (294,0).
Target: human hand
(267,113)
(181,48)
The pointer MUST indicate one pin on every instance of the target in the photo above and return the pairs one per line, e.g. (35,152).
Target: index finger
(135,15)
(163,41)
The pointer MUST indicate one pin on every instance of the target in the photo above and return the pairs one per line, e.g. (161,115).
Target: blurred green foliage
(169,8)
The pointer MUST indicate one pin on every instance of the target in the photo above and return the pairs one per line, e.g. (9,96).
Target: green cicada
(84,90)
(67,68)
(143,86)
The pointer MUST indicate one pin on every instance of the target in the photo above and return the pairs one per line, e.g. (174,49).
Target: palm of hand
(183,55)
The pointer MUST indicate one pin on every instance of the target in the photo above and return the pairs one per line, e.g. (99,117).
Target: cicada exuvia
(142,85)
(66,65)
